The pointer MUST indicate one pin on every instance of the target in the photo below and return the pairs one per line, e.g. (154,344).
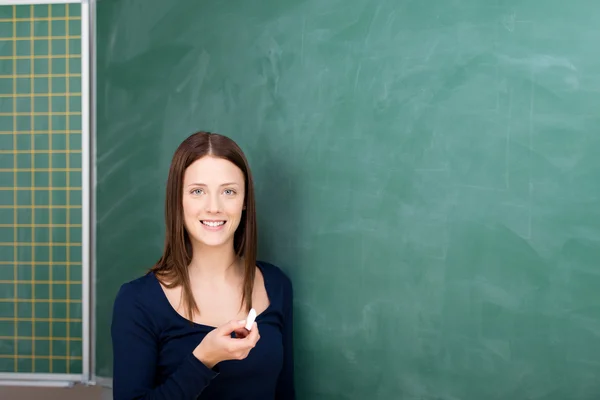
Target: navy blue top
(153,347)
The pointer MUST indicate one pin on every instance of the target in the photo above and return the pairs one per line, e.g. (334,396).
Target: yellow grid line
(50,248)
(55,244)
(51,357)
(32,38)
(37,301)
(40,114)
(40,319)
(15,250)
(41,225)
(40,57)
(39,132)
(32,122)
(41,282)
(39,151)
(68,184)
(41,338)
(42,169)
(41,75)
(39,94)
(41,262)
(52,207)
(37,19)
(40,188)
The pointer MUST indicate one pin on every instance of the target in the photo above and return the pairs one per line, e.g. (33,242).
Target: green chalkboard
(427,174)
(40,190)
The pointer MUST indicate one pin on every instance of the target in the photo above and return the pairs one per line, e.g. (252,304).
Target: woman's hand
(218,345)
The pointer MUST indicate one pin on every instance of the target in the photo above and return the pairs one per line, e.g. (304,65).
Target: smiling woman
(179,331)
(214,204)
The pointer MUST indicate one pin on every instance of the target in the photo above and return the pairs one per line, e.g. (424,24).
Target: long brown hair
(172,268)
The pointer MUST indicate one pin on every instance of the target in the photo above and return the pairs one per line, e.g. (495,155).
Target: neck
(213,264)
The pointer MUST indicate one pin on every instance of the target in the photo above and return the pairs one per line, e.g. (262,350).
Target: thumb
(231,326)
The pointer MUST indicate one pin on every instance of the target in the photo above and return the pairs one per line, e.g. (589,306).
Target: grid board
(40,189)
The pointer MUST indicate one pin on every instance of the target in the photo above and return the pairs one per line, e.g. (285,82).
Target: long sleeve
(285,386)
(135,349)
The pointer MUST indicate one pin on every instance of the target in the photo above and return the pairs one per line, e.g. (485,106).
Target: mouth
(212,224)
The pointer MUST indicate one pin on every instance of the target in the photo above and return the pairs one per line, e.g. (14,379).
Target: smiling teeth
(213,224)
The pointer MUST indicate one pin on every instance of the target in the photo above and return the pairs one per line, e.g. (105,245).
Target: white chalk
(251,318)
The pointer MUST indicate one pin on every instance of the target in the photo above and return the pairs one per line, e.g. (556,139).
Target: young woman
(179,331)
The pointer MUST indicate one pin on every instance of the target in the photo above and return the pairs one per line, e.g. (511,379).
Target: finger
(254,334)
(247,342)
(241,333)
(230,327)
(239,347)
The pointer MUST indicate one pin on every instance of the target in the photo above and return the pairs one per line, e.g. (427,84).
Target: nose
(213,203)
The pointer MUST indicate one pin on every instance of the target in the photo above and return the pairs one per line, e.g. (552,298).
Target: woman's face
(213,201)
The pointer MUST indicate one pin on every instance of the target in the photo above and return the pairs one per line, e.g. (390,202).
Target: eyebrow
(223,184)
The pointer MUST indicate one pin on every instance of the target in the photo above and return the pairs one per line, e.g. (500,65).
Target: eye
(229,192)
(196,191)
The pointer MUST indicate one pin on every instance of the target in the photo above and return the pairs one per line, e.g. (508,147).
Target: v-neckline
(165,299)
